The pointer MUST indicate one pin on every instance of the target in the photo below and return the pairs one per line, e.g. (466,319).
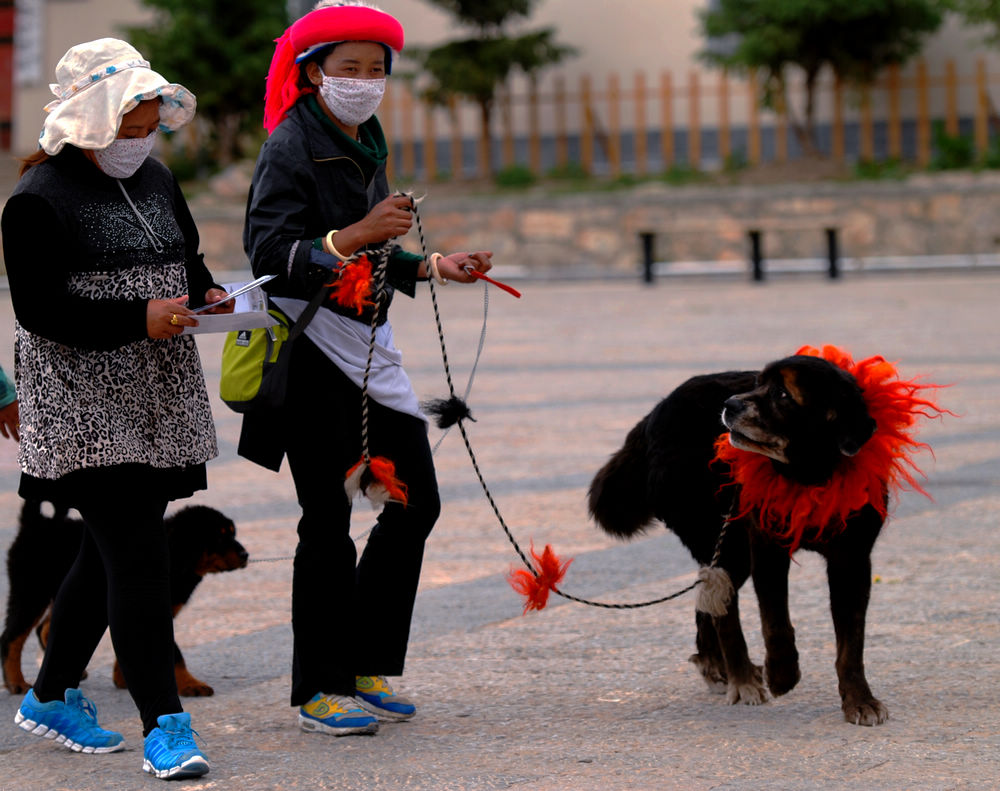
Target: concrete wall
(597,233)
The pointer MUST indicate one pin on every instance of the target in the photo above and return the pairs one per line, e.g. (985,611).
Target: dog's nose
(734,405)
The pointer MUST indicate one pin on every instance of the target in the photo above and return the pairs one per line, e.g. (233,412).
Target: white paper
(237,291)
(249,313)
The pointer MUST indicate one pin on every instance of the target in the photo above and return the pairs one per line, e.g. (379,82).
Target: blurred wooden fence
(651,125)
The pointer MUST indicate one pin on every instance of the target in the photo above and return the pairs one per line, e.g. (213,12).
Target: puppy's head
(805,413)
(206,538)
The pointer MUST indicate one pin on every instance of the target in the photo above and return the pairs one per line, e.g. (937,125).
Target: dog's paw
(189,686)
(782,674)
(17,687)
(868,712)
(751,694)
(751,691)
(714,676)
(199,689)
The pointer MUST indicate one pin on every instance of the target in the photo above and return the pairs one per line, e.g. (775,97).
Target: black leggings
(120,580)
(351,616)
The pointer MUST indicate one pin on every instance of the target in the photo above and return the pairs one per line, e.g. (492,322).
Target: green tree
(857,39)
(220,50)
(477,66)
(985,13)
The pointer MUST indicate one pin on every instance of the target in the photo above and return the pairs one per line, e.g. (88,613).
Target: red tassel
(536,584)
(384,475)
(354,286)
(376,480)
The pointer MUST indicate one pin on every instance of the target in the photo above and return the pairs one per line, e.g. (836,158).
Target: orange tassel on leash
(535,585)
(375,479)
(353,289)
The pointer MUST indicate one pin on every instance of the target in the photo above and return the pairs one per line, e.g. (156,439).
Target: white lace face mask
(125,154)
(353,101)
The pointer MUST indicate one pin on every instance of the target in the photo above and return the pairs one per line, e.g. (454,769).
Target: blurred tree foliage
(220,50)
(477,66)
(857,39)
(980,12)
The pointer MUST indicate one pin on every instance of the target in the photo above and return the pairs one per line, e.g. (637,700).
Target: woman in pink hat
(319,196)
(103,264)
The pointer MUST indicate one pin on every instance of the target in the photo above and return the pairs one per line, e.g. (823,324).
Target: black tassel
(447,411)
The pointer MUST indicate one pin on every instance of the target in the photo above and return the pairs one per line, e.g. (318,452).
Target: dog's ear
(853,425)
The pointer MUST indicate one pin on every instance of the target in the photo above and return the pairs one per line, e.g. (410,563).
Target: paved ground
(577,698)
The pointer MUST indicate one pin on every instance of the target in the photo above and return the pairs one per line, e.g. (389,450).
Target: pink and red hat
(317,29)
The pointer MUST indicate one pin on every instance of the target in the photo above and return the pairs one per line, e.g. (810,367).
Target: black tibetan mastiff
(201,541)
(803,421)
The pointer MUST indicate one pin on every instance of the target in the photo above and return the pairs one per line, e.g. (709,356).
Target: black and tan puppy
(201,541)
(806,416)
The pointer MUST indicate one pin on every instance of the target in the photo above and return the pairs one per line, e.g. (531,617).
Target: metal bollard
(756,255)
(647,240)
(832,253)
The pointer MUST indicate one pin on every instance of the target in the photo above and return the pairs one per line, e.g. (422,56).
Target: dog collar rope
(544,574)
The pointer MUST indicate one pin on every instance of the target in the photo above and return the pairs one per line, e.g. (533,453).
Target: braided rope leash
(711,577)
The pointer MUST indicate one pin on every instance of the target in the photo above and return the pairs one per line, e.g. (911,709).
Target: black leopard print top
(95,390)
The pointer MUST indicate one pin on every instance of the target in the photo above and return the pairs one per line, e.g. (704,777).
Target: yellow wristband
(328,243)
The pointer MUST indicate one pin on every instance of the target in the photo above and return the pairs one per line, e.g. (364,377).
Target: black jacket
(310,179)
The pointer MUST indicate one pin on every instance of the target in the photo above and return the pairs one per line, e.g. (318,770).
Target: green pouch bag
(255,366)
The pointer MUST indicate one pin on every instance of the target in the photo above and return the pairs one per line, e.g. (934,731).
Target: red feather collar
(788,510)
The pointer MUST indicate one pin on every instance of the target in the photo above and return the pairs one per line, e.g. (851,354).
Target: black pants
(120,580)
(351,616)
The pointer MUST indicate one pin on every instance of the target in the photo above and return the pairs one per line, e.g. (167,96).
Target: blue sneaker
(72,723)
(375,695)
(170,752)
(336,714)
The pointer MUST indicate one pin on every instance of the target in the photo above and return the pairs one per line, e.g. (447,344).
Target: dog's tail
(617,498)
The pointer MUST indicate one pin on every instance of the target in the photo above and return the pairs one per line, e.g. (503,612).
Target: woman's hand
(453,266)
(10,421)
(388,219)
(168,317)
(217,295)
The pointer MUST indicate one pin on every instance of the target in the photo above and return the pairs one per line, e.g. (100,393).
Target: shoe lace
(181,738)
(87,709)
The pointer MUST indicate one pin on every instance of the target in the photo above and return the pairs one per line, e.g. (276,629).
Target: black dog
(201,541)
(804,413)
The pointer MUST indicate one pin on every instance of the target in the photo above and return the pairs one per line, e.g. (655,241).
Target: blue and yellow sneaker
(170,752)
(376,696)
(72,723)
(336,714)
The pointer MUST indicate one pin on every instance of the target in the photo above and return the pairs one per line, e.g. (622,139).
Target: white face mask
(125,154)
(351,100)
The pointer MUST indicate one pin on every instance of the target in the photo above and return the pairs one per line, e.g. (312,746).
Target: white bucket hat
(100,81)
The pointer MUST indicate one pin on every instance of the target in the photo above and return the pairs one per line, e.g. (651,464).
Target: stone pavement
(577,698)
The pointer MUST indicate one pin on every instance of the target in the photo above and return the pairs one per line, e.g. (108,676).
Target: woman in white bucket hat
(103,265)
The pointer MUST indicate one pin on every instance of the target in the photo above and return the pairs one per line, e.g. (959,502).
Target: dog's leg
(745,681)
(770,581)
(21,619)
(708,659)
(188,685)
(11,647)
(849,573)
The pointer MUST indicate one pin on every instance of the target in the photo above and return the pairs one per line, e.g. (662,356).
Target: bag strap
(306,316)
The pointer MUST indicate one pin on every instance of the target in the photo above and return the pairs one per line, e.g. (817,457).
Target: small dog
(201,541)
(798,429)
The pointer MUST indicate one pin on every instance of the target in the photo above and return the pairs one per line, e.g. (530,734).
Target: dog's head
(804,413)
(206,538)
